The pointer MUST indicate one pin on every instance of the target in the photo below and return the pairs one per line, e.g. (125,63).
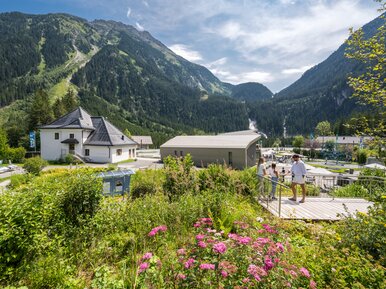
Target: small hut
(116,182)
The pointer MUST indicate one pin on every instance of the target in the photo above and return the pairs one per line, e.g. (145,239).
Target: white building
(93,139)
(237,151)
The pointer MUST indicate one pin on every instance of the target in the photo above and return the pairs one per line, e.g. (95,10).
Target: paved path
(317,208)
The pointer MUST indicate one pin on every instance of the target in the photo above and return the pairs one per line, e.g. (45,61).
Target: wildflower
(147,256)
(305,272)
(143,267)
(206,266)
(268,264)
(233,236)
(293,273)
(181,251)
(229,267)
(211,230)
(312,284)
(201,244)
(197,225)
(280,246)
(189,263)
(224,273)
(181,276)
(200,237)
(244,240)
(219,248)
(155,230)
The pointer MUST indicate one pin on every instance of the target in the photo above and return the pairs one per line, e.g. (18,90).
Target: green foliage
(18,180)
(146,182)
(362,156)
(323,128)
(40,112)
(35,165)
(15,155)
(369,87)
(329,145)
(179,176)
(298,141)
(3,143)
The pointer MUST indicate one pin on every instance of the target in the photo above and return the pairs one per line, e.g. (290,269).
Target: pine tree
(40,112)
(70,100)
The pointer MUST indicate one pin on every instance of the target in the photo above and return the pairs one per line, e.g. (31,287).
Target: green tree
(370,88)
(40,112)
(127,133)
(298,141)
(323,128)
(70,100)
(58,108)
(3,143)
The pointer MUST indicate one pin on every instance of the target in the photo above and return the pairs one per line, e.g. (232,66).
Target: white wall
(128,152)
(99,154)
(53,149)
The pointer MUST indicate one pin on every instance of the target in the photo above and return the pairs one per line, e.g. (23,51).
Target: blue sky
(268,41)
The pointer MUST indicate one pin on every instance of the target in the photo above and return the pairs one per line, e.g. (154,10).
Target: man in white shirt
(298,171)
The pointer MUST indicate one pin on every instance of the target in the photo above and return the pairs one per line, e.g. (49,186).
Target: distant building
(345,141)
(93,139)
(237,151)
(143,141)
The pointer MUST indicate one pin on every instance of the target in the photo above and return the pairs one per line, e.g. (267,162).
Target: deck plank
(317,208)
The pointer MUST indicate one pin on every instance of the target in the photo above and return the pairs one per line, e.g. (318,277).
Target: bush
(35,165)
(18,180)
(362,157)
(15,155)
(71,159)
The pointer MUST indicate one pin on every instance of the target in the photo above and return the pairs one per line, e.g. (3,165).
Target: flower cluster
(155,230)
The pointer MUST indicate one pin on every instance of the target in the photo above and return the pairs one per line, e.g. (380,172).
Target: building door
(71,148)
(230,161)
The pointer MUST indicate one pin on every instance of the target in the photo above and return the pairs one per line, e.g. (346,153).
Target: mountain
(118,72)
(251,91)
(322,93)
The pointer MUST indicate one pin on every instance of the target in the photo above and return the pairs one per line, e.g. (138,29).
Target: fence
(328,185)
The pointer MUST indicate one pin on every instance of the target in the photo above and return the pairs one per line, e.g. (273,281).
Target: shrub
(180,177)
(362,156)
(35,165)
(15,155)
(71,159)
(146,182)
(18,180)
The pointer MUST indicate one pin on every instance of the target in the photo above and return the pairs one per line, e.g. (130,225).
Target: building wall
(128,152)
(53,149)
(205,156)
(99,154)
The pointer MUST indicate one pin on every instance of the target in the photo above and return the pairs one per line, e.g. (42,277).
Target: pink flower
(200,237)
(143,267)
(233,236)
(305,272)
(201,244)
(312,284)
(220,248)
(224,273)
(280,246)
(246,280)
(147,256)
(181,251)
(207,266)
(293,273)
(197,225)
(155,230)
(181,276)
(268,265)
(189,263)
(244,240)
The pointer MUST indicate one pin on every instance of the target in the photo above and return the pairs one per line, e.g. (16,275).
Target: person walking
(299,171)
(274,179)
(261,172)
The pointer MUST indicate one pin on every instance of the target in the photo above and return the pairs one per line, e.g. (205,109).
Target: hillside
(116,70)
(322,93)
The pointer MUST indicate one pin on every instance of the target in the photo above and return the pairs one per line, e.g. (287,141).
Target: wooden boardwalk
(316,208)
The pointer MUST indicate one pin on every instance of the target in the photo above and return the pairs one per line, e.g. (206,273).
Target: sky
(267,41)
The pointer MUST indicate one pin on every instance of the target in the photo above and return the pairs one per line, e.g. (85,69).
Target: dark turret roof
(78,118)
(106,134)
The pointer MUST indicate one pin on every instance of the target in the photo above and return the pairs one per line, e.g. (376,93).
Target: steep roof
(78,118)
(211,141)
(142,139)
(106,134)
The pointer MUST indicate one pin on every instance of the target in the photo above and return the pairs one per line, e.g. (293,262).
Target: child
(274,179)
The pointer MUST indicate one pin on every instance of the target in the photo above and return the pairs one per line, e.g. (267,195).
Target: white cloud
(296,70)
(128,12)
(139,27)
(186,52)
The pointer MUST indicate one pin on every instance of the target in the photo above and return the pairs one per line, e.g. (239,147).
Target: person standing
(261,172)
(299,171)
(274,179)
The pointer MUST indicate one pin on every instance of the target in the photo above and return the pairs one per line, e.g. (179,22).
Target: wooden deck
(316,208)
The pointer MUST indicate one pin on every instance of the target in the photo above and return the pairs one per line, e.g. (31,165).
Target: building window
(87,152)
(72,135)
(175,153)
(119,152)
(56,135)
(181,153)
